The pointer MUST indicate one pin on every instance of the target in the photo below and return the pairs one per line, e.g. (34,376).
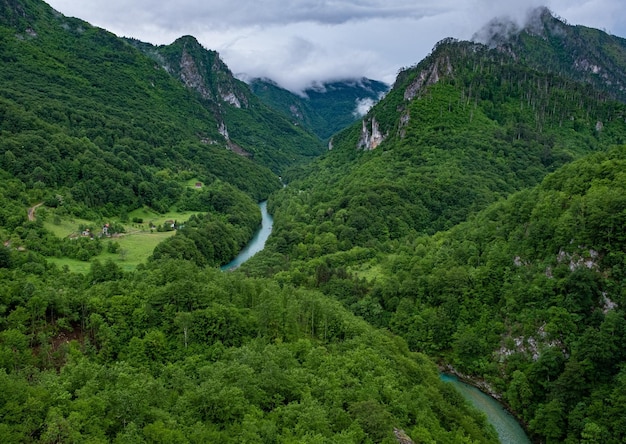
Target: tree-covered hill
(528,294)
(464,128)
(249,126)
(87,115)
(178,353)
(175,351)
(326,108)
(475,216)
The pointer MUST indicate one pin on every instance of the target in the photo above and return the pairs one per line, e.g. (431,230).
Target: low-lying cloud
(300,42)
(363,106)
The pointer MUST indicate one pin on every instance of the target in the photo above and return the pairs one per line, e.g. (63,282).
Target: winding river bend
(258,240)
(509,430)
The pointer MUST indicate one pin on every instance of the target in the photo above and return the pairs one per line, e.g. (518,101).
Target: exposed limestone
(402,437)
(428,76)
(586,65)
(293,109)
(191,77)
(607,304)
(530,345)
(405,118)
(232,99)
(221,128)
(370,141)
(577,261)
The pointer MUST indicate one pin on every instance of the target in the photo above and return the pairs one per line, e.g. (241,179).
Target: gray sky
(296,42)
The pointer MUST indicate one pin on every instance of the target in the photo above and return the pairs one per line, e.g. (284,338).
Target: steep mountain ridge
(249,127)
(464,127)
(176,350)
(548,43)
(79,94)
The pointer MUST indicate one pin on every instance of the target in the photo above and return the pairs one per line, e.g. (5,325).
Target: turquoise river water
(257,243)
(509,430)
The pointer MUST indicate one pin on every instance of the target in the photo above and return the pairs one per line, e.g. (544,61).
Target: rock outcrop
(370,140)
(428,76)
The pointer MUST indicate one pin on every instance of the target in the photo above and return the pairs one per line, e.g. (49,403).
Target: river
(258,240)
(509,430)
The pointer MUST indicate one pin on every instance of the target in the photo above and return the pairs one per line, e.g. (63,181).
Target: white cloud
(299,42)
(363,106)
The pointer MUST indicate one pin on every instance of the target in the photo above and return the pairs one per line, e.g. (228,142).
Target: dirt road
(31,211)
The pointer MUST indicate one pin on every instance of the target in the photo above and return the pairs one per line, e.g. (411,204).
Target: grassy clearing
(149,217)
(74,265)
(134,250)
(368,271)
(135,245)
(66,227)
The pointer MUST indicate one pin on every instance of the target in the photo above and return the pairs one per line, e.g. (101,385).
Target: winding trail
(31,211)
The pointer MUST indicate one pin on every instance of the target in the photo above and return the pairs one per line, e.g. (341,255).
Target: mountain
(84,109)
(528,295)
(474,217)
(465,127)
(477,211)
(249,127)
(94,128)
(548,43)
(324,108)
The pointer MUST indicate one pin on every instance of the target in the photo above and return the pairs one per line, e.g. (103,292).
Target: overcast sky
(296,42)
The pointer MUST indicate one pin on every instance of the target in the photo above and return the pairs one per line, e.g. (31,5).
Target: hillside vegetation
(474,218)
(96,131)
(87,114)
(415,234)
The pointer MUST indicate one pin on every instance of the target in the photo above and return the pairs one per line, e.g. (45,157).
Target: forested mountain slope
(548,43)
(475,216)
(530,295)
(86,113)
(463,128)
(325,108)
(249,127)
(404,222)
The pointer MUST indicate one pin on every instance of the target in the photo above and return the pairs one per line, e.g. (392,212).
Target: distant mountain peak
(547,42)
(500,30)
(325,107)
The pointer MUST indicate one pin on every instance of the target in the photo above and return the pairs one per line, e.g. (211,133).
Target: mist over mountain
(455,214)
(469,219)
(548,43)
(324,107)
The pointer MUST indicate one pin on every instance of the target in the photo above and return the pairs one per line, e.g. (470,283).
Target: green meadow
(135,244)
